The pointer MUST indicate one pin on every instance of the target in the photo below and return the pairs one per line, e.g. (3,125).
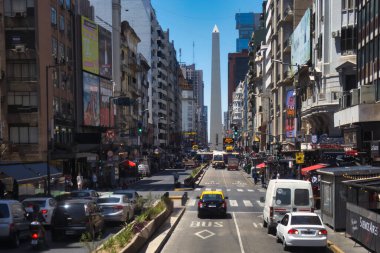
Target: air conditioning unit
(335,34)
(20,48)
(354,97)
(367,94)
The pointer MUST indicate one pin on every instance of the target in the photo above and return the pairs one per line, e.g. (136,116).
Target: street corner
(333,248)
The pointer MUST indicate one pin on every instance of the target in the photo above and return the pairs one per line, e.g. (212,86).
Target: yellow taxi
(212,203)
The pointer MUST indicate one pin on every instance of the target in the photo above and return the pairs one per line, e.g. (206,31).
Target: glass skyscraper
(246,23)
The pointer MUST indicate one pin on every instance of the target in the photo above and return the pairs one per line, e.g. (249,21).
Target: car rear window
(108,200)
(129,195)
(301,197)
(305,220)
(283,196)
(71,209)
(80,194)
(31,203)
(207,197)
(4,211)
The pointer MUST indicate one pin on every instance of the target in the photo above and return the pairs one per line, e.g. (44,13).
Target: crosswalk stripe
(228,190)
(198,189)
(260,203)
(247,203)
(219,190)
(233,202)
(239,190)
(208,189)
(191,202)
(250,190)
(261,190)
(256,225)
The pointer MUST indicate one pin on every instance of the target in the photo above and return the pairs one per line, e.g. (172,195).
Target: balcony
(320,100)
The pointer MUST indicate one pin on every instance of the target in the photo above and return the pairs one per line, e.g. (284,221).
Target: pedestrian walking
(94,180)
(80,181)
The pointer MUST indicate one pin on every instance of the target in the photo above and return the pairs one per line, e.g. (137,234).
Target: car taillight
(35,236)
(118,207)
(322,232)
(293,232)
(271,212)
(44,211)
(200,204)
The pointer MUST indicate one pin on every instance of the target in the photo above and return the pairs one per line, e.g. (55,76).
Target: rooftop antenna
(193,53)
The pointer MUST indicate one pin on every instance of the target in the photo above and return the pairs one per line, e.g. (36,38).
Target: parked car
(283,196)
(212,202)
(76,216)
(134,198)
(14,224)
(301,229)
(116,207)
(47,206)
(88,194)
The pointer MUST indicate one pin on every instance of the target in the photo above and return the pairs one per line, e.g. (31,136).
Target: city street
(242,230)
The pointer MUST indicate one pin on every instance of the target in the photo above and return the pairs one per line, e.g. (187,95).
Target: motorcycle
(37,234)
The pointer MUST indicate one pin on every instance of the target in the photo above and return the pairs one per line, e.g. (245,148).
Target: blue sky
(191,21)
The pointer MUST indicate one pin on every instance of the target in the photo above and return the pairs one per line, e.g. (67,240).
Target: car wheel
(278,240)
(16,240)
(284,245)
(199,215)
(265,224)
(269,230)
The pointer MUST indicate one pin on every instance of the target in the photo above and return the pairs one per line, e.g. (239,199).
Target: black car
(75,217)
(212,202)
(85,194)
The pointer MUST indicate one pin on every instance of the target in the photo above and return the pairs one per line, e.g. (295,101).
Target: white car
(47,206)
(116,207)
(301,229)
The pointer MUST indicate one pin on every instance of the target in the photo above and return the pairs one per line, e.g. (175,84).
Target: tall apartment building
(246,23)
(359,115)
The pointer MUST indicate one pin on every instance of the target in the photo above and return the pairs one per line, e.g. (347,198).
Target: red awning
(260,166)
(128,163)
(313,167)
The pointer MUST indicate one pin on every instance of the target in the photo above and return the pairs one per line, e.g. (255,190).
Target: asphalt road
(155,186)
(241,231)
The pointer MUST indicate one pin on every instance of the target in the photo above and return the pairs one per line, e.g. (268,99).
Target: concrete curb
(182,189)
(167,236)
(175,197)
(201,177)
(333,247)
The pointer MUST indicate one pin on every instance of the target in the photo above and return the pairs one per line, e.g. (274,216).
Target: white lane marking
(238,234)
(260,203)
(191,202)
(224,179)
(218,190)
(228,190)
(239,190)
(208,189)
(233,202)
(198,189)
(261,190)
(247,203)
(256,225)
(250,190)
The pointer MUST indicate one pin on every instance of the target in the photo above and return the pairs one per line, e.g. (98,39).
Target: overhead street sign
(300,158)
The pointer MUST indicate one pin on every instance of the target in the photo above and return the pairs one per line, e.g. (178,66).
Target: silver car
(13,222)
(116,208)
(47,206)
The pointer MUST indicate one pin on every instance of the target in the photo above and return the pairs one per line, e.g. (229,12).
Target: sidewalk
(337,241)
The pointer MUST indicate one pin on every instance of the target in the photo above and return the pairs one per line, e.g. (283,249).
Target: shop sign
(300,158)
(363,229)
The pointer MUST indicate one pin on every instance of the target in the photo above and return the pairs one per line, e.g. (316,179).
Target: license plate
(211,205)
(69,232)
(308,232)
(34,242)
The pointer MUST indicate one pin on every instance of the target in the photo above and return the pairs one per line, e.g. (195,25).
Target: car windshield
(4,211)
(31,203)
(305,220)
(80,194)
(210,197)
(109,200)
(218,158)
(128,194)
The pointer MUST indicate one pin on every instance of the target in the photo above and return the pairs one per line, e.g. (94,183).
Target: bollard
(184,199)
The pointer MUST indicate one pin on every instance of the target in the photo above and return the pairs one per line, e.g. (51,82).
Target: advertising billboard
(290,119)
(91,110)
(106,119)
(90,46)
(105,53)
(301,42)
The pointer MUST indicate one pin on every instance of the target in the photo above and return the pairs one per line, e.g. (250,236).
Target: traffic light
(139,128)
(235,130)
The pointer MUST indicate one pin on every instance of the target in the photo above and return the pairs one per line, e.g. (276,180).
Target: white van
(283,196)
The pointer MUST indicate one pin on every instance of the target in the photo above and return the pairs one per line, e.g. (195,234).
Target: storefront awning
(260,166)
(24,172)
(313,167)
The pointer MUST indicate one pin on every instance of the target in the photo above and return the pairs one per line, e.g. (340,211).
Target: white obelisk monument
(216,127)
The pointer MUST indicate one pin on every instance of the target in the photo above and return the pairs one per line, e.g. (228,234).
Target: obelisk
(216,128)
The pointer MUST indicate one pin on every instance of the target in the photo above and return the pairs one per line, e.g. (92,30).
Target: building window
(54,47)
(348,40)
(347,4)
(23,134)
(68,4)
(25,71)
(22,98)
(62,23)
(319,47)
(53,16)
